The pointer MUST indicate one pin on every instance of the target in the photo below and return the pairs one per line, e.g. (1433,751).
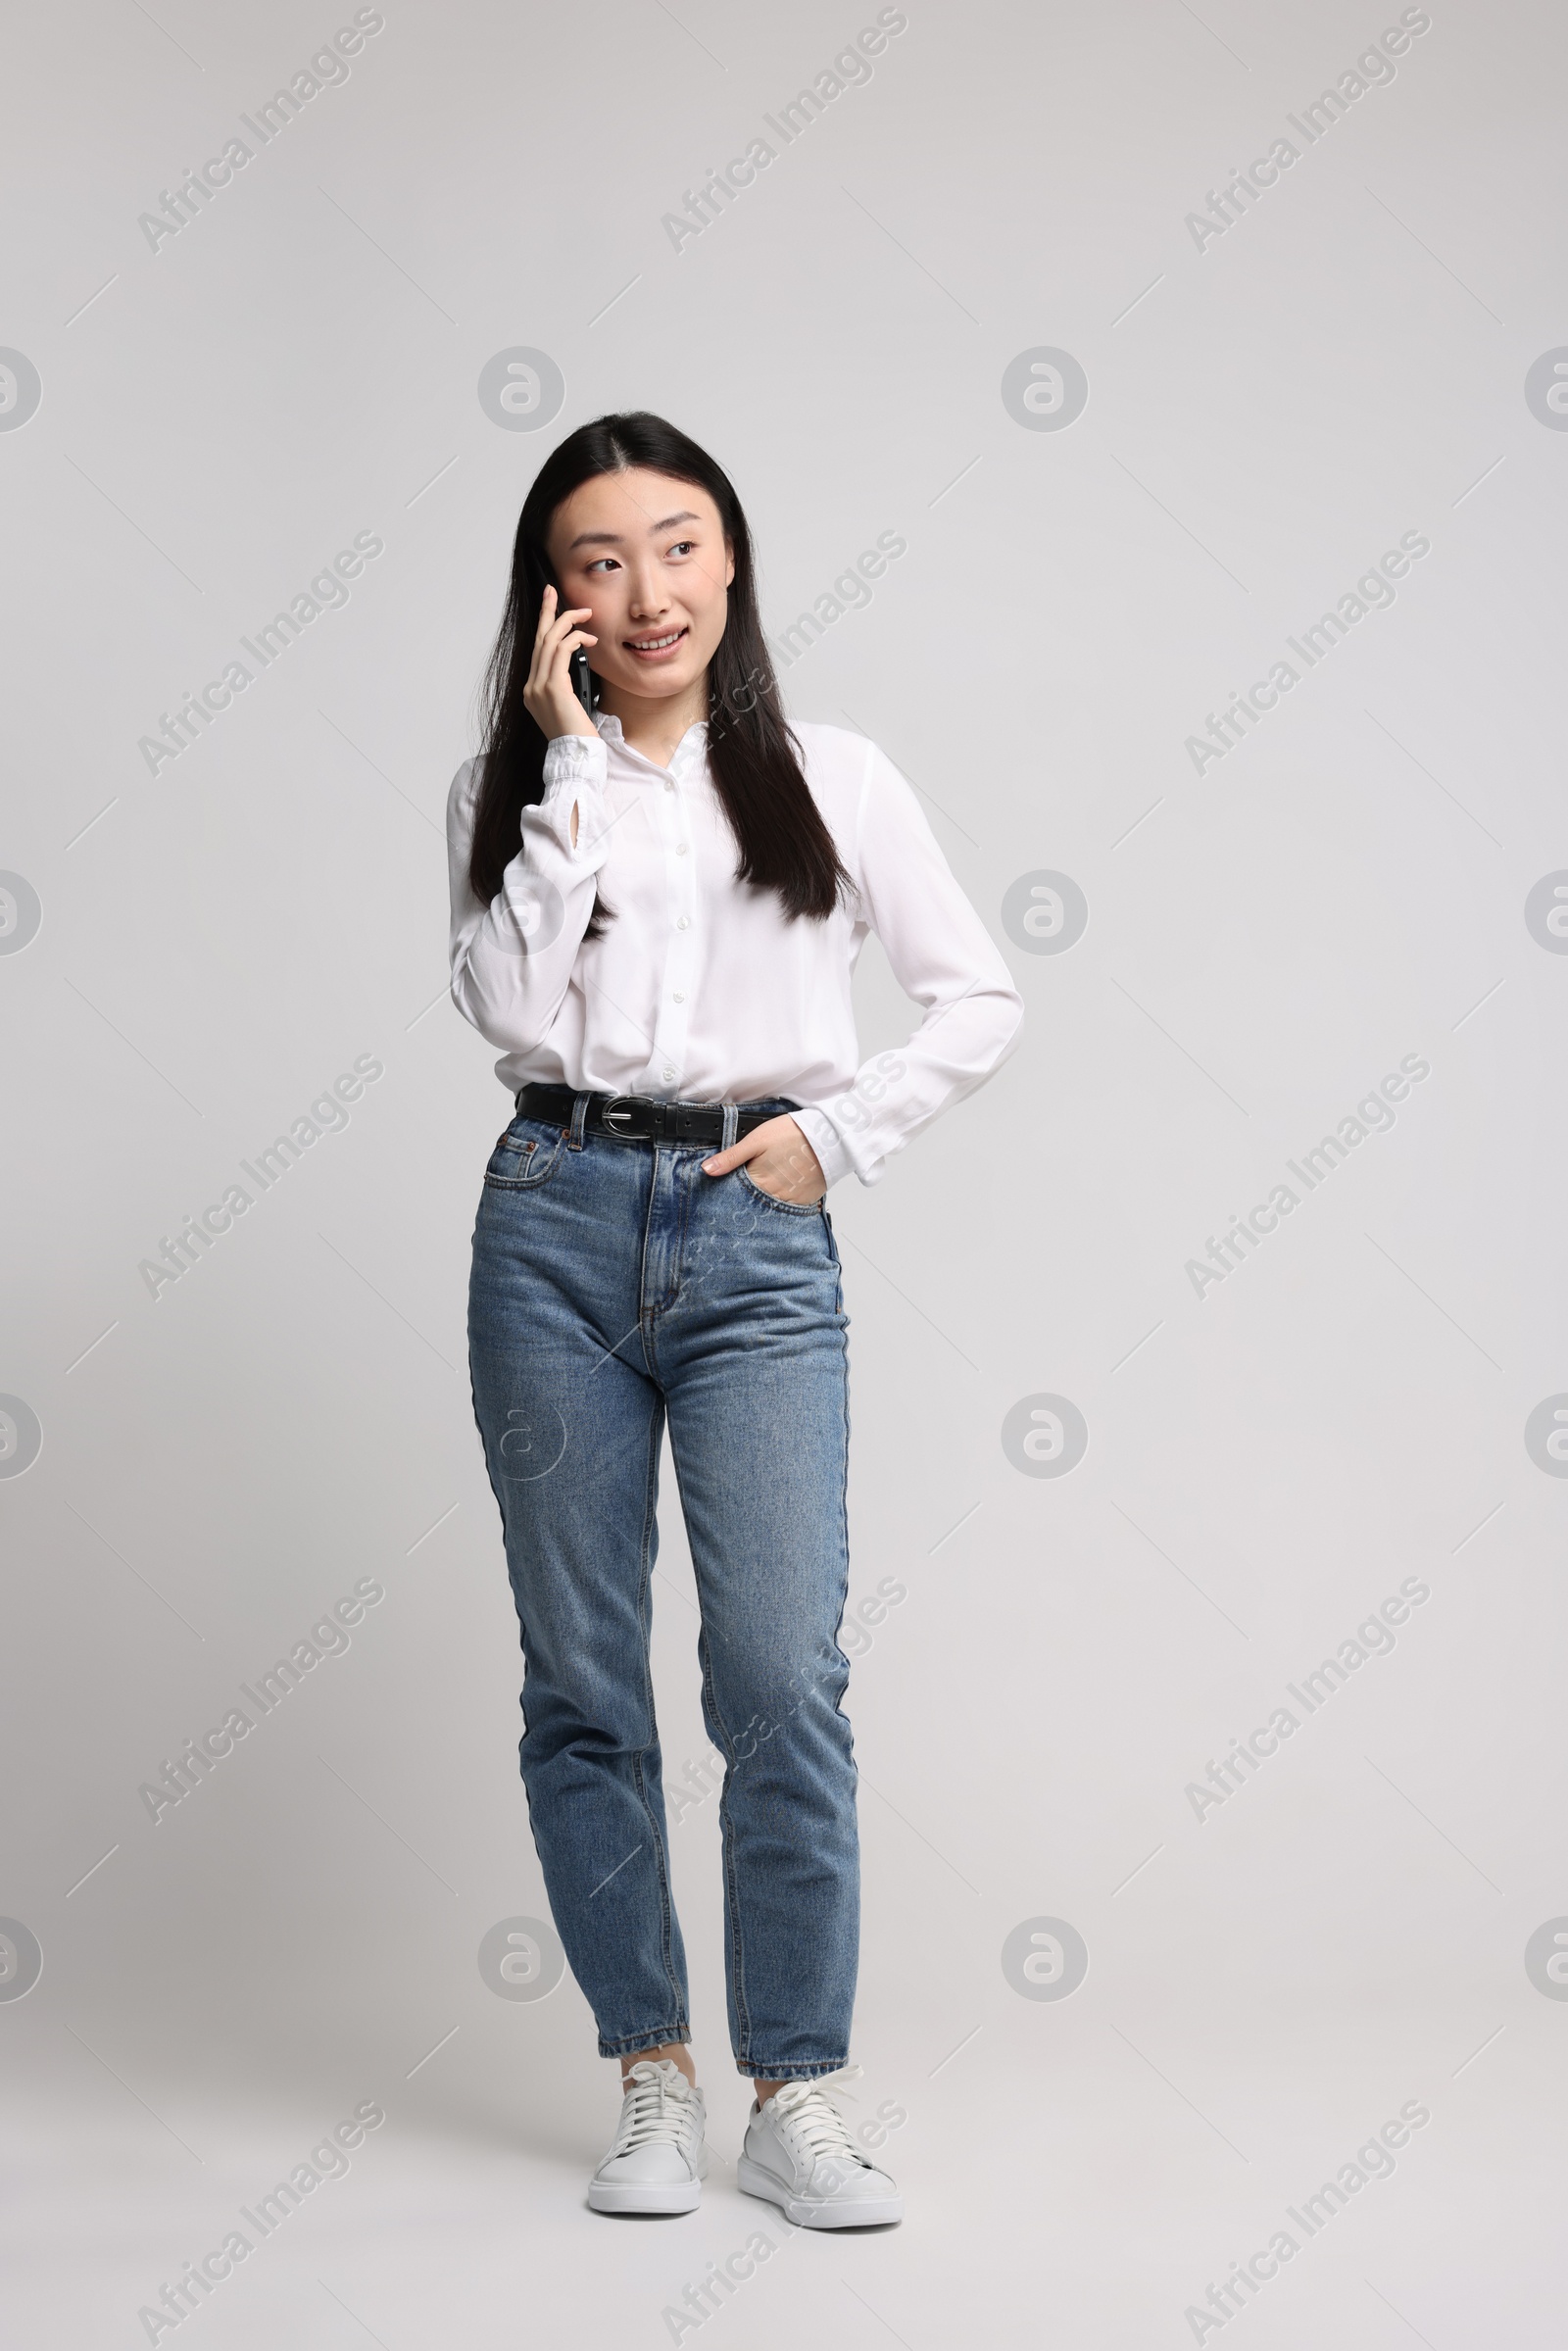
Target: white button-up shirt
(701,989)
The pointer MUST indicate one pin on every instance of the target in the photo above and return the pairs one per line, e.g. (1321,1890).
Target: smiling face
(646,553)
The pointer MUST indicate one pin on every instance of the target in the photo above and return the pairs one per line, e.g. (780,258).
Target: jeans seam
(844,1597)
(684,1193)
(726,1836)
(732,1884)
(807,2069)
(655,1428)
(647,1314)
(626,2045)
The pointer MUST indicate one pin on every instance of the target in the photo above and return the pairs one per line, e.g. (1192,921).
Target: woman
(656,913)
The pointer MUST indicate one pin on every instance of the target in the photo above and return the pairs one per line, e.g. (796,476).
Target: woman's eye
(601,562)
(683,547)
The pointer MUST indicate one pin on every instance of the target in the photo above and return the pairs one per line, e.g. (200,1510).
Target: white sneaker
(658,2161)
(798,2154)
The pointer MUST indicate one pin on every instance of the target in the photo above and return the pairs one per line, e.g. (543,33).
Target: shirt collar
(692,743)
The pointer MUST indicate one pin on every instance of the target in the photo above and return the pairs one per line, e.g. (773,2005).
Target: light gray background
(1264,1464)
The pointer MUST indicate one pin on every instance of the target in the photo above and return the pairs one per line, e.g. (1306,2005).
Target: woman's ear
(729,560)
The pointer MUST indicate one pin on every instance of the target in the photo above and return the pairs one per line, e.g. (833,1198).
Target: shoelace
(652,2092)
(812,2118)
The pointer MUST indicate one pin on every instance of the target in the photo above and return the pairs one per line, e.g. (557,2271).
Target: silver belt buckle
(619,1109)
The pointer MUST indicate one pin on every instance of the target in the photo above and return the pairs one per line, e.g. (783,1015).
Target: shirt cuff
(575,771)
(826,1140)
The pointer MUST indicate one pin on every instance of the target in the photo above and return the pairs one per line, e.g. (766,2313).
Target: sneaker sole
(866,2212)
(654,2195)
(650,2195)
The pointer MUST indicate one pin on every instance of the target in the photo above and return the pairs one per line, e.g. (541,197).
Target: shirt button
(679,997)
(669,785)
(680,849)
(670,1075)
(683,923)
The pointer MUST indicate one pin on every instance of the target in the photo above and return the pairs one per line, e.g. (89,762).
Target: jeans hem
(802,2069)
(629,2043)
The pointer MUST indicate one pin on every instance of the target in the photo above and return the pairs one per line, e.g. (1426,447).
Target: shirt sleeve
(945,960)
(512,961)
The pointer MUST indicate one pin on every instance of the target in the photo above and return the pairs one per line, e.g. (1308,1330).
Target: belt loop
(579,1111)
(731,1122)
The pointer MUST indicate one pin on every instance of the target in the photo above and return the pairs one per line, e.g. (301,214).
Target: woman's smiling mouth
(654,649)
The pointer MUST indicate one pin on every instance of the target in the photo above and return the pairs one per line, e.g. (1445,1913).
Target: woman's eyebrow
(613,538)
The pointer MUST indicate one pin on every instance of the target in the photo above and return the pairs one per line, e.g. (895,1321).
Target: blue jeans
(614,1283)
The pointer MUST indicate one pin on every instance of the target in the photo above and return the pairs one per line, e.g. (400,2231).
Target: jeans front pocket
(527,1156)
(787,1207)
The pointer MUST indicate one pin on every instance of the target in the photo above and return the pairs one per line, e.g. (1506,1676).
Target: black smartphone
(581,679)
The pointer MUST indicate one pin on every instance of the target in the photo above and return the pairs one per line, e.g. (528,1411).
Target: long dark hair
(754,757)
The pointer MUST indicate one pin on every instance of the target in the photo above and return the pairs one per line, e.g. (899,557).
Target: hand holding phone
(554,696)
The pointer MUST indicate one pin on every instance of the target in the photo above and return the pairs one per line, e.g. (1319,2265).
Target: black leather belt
(640,1116)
